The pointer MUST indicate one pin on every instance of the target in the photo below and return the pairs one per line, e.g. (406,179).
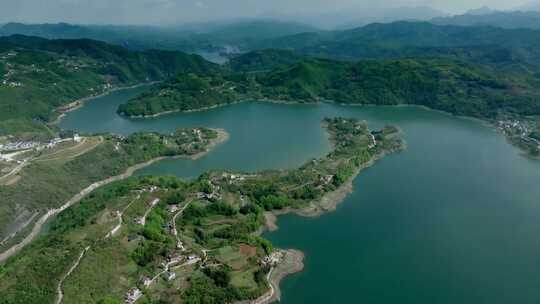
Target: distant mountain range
(511,20)
(184,38)
(349,19)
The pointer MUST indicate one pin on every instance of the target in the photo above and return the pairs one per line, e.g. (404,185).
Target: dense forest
(453,86)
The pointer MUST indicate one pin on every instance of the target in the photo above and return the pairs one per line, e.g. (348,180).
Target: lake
(453,219)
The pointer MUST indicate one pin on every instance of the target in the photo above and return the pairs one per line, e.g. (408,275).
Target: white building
(146,281)
(169,276)
(175,258)
(180,246)
(154,202)
(172,208)
(132,295)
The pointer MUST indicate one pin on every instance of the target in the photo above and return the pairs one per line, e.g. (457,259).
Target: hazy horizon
(167,12)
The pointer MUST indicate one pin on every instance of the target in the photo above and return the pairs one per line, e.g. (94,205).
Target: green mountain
(185,92)
(243,32)
(455,87)
(38,76)
(449,85)
(497,47)
(263,60)
(184,38)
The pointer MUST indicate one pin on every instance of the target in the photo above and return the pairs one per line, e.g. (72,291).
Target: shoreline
(183,111)
(484,121)
(268,100)
(36,229)
(77,104)
(327,203)
(291,263)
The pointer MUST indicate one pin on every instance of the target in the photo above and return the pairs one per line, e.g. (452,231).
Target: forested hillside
(453,86)
(509,50)
(38,76)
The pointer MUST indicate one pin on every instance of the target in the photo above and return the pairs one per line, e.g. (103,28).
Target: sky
(164,12)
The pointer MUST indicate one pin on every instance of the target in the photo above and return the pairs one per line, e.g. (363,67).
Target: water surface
(454,219)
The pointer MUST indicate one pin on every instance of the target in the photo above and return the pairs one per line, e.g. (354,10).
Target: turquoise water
(454,219)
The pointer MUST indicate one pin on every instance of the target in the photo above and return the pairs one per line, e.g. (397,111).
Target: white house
(132,295)
(169,276)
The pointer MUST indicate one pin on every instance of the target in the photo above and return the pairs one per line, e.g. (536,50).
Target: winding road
(114,230)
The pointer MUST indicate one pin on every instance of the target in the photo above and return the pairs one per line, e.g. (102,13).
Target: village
(16,72)
(184,256)
(523,130)
(14,156)
(9,150)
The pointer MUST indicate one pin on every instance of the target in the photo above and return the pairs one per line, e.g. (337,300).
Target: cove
(453,219)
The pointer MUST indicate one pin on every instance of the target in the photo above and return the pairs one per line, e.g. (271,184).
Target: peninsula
(157,238)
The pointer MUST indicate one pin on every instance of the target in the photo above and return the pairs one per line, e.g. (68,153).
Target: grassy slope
(49,184)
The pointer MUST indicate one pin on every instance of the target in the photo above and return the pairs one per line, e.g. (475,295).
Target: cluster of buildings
(272,259)
(8,55)
(132,295)
(214,196)
(517,128)
(231,178)
(19,145)
(27,145)
(12,84)
(10,71)
(325,180)
(514,127)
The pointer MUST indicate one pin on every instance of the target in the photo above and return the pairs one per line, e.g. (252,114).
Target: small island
(160,238)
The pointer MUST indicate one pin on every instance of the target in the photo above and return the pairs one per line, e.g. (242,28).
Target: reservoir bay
(453,219)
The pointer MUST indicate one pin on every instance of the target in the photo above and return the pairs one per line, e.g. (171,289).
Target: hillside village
(523,133)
